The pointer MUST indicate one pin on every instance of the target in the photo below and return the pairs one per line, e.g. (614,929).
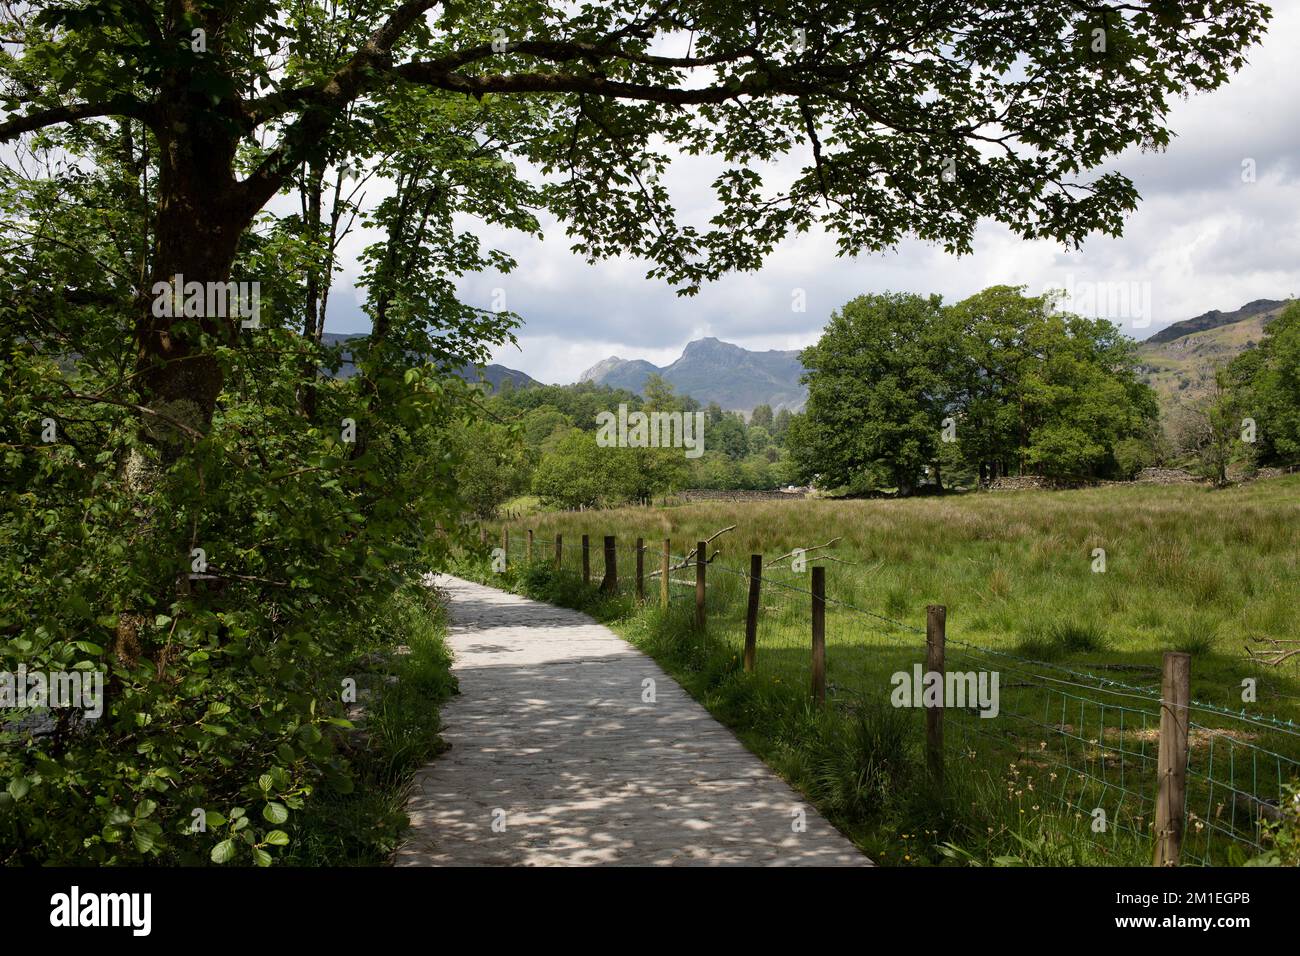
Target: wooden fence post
(819,634)
(482,535)
(936,637)
(559,552)
(505,546)
(640,570)
(664,574)
(528,552)
(609,583)
(700,548)
(586,560)
(1171,768)
(751,612)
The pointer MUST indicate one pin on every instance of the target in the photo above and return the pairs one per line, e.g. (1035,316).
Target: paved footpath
(556,758)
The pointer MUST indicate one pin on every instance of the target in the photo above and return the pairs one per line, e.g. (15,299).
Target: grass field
(1078,649)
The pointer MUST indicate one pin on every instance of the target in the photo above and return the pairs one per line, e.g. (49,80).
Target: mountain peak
(710,370)
(708,345)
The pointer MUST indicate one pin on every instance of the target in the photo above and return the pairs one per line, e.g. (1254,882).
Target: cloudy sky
(1201,239)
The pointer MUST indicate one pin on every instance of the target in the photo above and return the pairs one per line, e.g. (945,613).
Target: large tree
(917,117)
(999,381)
(1266,384)
(880,383)
(1043,391)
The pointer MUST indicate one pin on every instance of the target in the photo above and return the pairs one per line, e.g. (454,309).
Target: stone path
(553,743)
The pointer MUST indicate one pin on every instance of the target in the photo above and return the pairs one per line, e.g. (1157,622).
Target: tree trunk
(199,224)
(313,320)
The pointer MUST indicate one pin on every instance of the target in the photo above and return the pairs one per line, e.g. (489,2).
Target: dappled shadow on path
(560,755)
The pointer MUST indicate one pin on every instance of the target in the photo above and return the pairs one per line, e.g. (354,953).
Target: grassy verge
(403,677)
(1187,568)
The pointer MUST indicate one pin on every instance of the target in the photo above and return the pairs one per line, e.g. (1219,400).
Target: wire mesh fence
(1080,749)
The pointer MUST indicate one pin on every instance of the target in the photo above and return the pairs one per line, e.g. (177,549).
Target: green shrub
(223,706)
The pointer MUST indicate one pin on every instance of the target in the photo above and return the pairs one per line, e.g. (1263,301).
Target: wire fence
(1078,748)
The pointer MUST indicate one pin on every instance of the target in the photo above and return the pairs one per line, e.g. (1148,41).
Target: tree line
(903,390)
(542,441)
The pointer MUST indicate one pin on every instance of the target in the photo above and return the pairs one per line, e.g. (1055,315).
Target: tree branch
(435,74)
(322,103)
(118,106)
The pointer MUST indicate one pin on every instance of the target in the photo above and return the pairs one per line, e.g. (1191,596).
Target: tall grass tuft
(403,676)
(1062,639)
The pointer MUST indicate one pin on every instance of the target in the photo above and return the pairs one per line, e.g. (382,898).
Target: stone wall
(1147,476)
(1166,476)
(1029,483)
(714,494)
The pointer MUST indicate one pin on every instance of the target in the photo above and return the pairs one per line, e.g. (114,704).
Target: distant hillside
(1180,362)
(493,375)
(714,371)
(1215,319)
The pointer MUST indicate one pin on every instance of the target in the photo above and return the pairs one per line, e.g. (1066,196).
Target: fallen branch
(1276,648)
(689,561)
(686,563)
(804,551)
(708,541)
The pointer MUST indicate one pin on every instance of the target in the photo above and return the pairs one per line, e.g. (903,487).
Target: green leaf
(145,841)
(18,787)
(275,812)
(277,838)
(223,852)
(261,857)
